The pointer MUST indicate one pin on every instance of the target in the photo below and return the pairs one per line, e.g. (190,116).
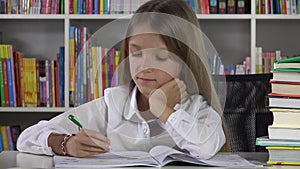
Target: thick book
(285,87)
(157,157)
(287,65)
(286,76)
(284,102)
(286,117)
(284,133)
(284,155)
(266,141)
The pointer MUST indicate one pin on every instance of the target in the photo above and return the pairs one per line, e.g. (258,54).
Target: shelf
(265,16)
(33,109)
(224,16)
(17,16)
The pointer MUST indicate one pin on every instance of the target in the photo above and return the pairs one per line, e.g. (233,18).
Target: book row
(128,7)
(28,82)
(265,60)
(92,68)
(31,6)
(115,6)
(290,7)
(8,137)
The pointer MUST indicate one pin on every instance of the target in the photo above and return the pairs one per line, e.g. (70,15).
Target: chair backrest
(246,113)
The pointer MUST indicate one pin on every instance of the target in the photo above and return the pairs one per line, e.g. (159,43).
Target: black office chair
(246,113)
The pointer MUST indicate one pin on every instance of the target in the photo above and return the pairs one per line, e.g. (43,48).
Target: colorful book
(266,141)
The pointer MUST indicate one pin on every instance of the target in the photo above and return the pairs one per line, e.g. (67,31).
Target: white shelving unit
(235,36)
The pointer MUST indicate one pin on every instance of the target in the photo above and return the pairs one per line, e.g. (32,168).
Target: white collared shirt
(194,126)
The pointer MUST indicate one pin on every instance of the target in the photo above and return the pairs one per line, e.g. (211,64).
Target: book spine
(222,6)
(2,90)
(9,81)
(5,80)
(61,76)
(10,47)
(213,6)
(4,138)
(38,83)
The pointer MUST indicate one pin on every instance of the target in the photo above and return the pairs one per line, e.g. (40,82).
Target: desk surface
(15,159)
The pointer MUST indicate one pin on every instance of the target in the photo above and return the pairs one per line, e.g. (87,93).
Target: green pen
(72,118)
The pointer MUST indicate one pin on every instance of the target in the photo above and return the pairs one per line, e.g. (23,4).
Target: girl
(166,96)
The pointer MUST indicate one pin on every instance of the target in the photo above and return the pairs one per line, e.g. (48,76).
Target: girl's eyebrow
(134,45)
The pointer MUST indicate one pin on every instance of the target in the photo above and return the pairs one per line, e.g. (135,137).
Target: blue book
(95,7)
(266,141)
(10,140)
(278,6)
(1,143)
(10,83)
(61,76)
(192,3)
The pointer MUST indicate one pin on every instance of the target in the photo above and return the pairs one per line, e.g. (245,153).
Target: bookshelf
(235,36)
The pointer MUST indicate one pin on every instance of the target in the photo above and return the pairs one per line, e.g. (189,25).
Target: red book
(17,80)
(284,95)
(71,8)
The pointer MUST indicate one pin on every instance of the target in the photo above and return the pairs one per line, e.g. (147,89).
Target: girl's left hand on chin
(167,96)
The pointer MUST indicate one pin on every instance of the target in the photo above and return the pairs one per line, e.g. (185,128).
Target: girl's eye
(162,57)
(137,54)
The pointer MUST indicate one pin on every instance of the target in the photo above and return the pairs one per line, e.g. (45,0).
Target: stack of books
(283,141)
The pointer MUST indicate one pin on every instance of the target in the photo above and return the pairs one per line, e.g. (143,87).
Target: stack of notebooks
(283,142)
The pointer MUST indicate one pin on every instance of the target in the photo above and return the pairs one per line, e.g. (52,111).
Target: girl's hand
(87,142)
(167,96)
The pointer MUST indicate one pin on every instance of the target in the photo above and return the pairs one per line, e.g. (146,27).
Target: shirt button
(173,118)
(145,131)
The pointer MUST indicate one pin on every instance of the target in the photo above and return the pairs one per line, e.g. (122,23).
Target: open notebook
(158,156)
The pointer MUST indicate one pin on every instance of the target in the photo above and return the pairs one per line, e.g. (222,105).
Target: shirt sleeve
(196,128)
(91,115)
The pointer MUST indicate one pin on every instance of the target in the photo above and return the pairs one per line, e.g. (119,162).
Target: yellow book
(53,83)
(4,138)
(284,110)
(282,163)
(283,147)
(94,72)
(29,75)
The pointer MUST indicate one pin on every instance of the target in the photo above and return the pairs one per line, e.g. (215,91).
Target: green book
(286,70)
(2,97)
(295,59)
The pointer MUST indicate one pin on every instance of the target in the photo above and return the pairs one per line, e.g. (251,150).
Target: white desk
(15,159)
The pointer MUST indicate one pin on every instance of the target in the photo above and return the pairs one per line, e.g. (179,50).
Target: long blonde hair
(192,54)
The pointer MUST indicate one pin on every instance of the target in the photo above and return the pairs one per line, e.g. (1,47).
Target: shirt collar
(132,107)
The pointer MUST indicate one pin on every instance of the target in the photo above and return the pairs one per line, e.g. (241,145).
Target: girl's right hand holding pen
(87,142)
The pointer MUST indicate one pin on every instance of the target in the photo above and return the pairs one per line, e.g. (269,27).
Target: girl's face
(151,65)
